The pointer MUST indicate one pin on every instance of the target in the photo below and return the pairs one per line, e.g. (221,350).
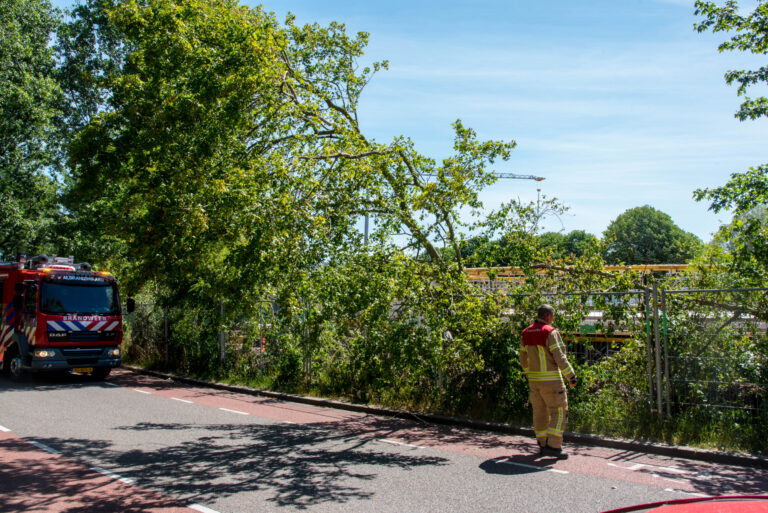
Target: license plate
(83,370)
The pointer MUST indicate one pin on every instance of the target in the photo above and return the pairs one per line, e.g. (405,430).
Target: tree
(751,36)
(228,155)
(746,194)
(29,94)
(644,235)
(575,243)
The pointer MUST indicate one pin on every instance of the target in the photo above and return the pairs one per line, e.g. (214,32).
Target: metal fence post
(649,342)
(222,340)
(666,348)
(657,347)
(165,334)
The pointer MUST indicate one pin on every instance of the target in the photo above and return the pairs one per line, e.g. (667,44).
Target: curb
(674,451)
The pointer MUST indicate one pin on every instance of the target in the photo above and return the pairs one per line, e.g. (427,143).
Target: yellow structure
(515,273)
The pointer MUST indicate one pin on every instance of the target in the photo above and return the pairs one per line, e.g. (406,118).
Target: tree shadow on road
(289,465)
(34,481)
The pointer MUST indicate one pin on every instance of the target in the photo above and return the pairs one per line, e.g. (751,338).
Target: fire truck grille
(78,353)
(83,335)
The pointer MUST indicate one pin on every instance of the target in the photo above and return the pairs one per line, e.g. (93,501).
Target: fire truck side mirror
(130,304)
(18,302)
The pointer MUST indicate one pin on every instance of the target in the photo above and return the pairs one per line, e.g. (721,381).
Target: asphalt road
(138,443)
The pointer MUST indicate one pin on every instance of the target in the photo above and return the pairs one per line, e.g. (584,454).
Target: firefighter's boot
(554,453)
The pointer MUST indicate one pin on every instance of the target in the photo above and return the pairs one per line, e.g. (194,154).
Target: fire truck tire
(15,364)
(100,373)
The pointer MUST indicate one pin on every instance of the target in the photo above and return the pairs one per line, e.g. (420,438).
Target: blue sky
(617,103)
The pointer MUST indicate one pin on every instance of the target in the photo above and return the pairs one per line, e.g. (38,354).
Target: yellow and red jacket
(543,354)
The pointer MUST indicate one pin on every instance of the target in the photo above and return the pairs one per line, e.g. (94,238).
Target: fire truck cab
(58,316)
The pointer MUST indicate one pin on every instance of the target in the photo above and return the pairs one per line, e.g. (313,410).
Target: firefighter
(544,362)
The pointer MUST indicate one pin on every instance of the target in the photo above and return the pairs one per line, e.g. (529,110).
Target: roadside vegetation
(213,158)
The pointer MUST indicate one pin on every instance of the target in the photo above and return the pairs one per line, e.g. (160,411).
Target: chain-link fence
(651,353)
(715,354)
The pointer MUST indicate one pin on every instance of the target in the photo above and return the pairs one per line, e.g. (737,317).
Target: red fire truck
(59,316)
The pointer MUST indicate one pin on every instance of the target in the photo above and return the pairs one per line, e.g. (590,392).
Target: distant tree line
(641,235)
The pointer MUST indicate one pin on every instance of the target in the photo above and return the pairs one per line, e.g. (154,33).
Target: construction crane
(509,176)
(514,176)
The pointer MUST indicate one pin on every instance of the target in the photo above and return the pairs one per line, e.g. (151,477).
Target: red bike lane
(495,449)
(35,478)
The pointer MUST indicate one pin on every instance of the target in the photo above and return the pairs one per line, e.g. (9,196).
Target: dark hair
(545,310)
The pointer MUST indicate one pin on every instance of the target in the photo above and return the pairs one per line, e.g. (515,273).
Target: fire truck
(58,316)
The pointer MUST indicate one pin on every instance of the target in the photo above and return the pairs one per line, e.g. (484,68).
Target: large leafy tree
(745,194)
(29,95)
(227,154)
(644,235)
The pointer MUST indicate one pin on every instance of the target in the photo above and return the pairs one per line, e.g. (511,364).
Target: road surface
(139,443)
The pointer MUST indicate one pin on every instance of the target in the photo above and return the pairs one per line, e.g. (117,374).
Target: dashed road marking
(114,476)
(395,442)
(235,411)
(506,461)
(182,400)
(44,447)
(202,509)
(638,466)
(671,478)
(4,429)
(686,493)
(142,391)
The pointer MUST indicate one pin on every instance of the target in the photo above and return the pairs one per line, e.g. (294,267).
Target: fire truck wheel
(15,366)
(100,373)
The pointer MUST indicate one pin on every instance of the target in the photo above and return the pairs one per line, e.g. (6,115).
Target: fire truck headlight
(114,352)
(44,353)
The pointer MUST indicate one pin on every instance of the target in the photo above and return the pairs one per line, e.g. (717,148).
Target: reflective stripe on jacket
(542,355)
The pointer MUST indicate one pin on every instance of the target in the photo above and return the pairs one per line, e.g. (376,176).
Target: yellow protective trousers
(550,411)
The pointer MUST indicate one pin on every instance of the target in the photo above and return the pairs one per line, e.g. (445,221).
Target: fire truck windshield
(64,298)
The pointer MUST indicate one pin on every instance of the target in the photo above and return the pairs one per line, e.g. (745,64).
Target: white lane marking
(182,400)
(4,429)
(395,442)
(234,411)
(110,384)
(44,447)
(671,479)
(507,462)
(687,493)
(142,391)
(114,476)
(202,508)
(289,422)
(638,466)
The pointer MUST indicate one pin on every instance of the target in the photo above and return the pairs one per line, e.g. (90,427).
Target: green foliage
(751,36)
(575,243)
(510,236)
(221,153)
(644,235)
(739,249)
(746,194)
(742,193)
(29,95)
